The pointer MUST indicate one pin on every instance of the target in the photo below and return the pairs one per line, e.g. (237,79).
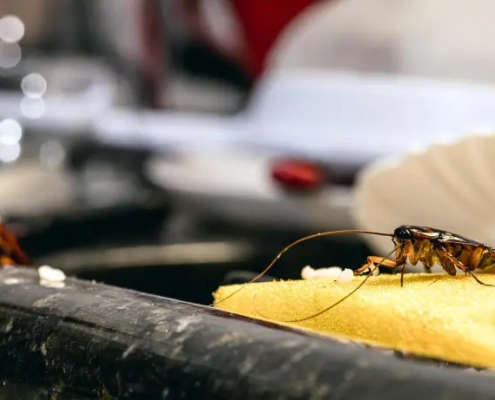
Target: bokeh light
(11,29)
(10,132)
(10,54)
(33,108)
(52,153)
(34,85)
(10,153)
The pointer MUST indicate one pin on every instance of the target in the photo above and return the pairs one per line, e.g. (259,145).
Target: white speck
(9,326)
(129,350)
(183,323)
(47,273)
(347,275)
(11,281)
(43,349)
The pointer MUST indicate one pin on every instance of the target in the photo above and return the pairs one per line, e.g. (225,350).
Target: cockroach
(412,243)
(11,252)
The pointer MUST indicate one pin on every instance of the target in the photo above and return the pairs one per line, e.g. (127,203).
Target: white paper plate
(449,185)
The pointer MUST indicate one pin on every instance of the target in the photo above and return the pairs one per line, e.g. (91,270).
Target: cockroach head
(403,233)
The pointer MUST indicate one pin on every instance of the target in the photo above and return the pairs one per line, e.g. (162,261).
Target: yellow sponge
(433,315)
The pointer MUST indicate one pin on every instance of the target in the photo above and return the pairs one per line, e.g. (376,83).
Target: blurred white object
(448,185)
(47,273)
(355,118)
(236,184)
(31,189)
(119,27)
(436,39)
(325,273)
(344,119)
(72,93)
(37,16)
(347,275)
(11,28)
(338,117)
(167,130)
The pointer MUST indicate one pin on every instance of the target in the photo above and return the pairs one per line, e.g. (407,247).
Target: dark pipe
(94,341)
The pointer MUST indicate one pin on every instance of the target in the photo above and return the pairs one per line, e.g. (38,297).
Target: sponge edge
(433,315)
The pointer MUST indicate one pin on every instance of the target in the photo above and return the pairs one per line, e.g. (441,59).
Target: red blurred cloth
(262,21)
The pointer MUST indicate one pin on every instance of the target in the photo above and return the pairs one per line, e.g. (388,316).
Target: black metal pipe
(88,340)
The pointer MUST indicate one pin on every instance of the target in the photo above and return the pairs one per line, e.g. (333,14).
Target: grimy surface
(88,340)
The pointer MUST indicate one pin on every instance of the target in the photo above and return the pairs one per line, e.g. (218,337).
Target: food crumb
(320,273)
(49,274)
(346,276)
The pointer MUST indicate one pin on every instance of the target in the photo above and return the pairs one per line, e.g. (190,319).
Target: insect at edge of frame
(413,244)
(11,252)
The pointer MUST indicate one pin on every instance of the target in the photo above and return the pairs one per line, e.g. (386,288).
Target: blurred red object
(298,175)
(153,62)
(262,21)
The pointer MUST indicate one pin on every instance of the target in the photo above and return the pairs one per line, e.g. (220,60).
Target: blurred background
(171,146)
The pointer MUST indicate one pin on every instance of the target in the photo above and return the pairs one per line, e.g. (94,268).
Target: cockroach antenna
(296,242)
(337,302)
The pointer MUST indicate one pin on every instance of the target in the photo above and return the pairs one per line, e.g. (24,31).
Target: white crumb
(307,272)
(49,274)
(347,275)
(320,273)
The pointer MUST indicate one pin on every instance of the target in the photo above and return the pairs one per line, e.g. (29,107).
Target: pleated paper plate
(448,185)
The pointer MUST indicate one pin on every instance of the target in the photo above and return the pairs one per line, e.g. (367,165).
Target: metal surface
(95,341)
(235,184)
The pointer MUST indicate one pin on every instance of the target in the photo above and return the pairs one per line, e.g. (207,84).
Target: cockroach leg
(431,283)
(373,261)
(478,280)
(381,260)
(459,264)
(402,270)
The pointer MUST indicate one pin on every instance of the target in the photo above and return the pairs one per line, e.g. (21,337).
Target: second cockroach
(11,252)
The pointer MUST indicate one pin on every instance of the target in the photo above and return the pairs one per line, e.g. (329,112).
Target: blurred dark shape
(203,61)
(239,277)
(10,82)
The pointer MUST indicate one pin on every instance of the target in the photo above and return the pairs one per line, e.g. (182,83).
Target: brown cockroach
(11,252)
(412,243)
